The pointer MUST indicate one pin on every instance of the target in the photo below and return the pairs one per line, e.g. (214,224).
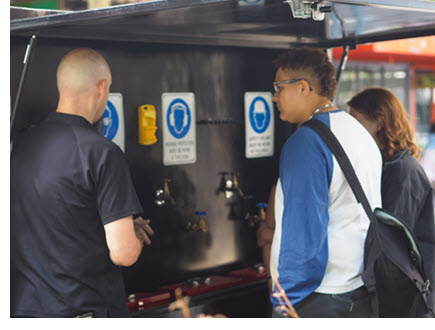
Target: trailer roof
(245,23)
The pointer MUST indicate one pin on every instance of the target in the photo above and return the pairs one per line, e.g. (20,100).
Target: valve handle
(201,213)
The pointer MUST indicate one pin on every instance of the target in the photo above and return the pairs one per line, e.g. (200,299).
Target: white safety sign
(113,120)
(179,128)
(259,125)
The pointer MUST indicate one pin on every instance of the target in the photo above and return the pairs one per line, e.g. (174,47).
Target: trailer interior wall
(218,50)
(219,77)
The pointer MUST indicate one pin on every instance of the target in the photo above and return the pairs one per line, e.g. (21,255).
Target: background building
(406,67)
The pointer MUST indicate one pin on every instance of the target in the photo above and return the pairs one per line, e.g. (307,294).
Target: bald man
(72,205)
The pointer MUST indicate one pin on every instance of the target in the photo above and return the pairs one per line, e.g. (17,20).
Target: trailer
(205,190)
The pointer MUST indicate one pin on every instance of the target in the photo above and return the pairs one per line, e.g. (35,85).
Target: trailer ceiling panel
(230,23)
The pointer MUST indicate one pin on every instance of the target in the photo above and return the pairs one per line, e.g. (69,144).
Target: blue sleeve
(305,171)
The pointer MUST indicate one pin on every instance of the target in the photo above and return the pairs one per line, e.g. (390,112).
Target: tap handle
(203,213)
(202,225)
(166,187)
(261,205)
(262,213)
(235,181)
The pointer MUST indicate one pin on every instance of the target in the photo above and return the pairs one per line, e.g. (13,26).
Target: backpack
(394,272)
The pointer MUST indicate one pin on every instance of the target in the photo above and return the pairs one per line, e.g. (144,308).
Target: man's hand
(142,230)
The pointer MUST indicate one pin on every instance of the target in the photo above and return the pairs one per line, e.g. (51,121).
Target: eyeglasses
(276,83)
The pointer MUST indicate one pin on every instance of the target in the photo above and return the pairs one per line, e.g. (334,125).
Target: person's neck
(76,113)
(321,105)
(81,109)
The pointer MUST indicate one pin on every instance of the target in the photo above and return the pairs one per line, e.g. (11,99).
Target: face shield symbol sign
(178,118)
(259,115)
(110,121)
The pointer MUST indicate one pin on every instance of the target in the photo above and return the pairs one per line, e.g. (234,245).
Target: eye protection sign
(179,128)
(259,125)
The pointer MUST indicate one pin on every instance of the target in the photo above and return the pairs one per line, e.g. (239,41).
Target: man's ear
(101,89)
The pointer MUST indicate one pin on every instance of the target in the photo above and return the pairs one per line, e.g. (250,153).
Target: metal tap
(163,195)
(261,216)
(230,186)
(200,225)
(262,212)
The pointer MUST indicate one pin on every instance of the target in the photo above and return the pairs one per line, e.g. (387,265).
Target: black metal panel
(219,77)
(220,22)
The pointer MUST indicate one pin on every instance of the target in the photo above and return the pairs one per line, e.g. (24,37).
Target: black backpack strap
(344,162)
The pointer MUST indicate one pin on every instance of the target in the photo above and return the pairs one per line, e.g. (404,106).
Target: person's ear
(101,89)
(305,87)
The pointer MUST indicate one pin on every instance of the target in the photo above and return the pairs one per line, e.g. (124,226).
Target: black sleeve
(425,232)
(116,196)
(404,190)
(399,200)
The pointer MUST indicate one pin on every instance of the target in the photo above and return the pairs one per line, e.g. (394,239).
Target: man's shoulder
(302,135)
(305,145)
(92,138)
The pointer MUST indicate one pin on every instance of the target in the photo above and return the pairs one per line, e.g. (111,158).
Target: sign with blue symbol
(110,121)
(179,129)
(259,114)
(178,118)
(113,120)
(259,125)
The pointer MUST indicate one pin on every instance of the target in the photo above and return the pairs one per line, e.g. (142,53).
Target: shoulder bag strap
(344,162)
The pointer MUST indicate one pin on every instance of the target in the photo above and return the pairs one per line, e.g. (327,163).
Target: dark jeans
(350,304)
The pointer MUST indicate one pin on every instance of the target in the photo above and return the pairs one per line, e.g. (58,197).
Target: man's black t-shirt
(67,182)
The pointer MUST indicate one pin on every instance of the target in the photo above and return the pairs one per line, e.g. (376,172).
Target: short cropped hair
(380,105)
(315,64)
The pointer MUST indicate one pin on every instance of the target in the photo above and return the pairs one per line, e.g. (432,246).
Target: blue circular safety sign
(178,118)
(110,121)
(259,115)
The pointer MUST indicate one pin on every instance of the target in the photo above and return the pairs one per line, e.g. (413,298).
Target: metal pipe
(343,61)
(26,62)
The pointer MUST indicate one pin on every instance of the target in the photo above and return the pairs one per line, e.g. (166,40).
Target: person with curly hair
(317,249)
(406,190)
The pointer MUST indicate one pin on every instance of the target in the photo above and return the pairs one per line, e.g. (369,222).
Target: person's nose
(275,97)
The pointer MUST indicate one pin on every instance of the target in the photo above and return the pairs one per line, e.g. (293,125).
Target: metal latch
(309,8)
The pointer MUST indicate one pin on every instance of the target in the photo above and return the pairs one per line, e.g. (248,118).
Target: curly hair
(315,64)
(382,106)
